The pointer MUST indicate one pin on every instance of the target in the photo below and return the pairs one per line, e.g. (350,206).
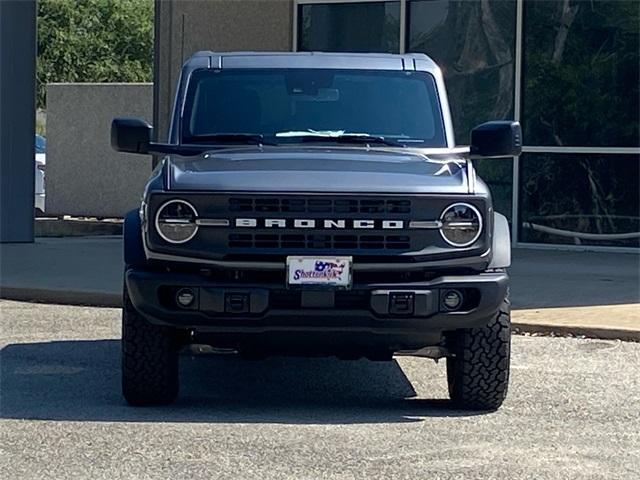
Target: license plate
(319,271)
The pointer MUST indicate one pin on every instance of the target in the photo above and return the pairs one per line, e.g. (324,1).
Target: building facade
(568,70)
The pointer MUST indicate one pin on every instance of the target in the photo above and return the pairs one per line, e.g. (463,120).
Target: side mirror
(130,135)
(496,139)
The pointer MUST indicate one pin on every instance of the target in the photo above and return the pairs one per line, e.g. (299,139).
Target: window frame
(403,18)
(517,104)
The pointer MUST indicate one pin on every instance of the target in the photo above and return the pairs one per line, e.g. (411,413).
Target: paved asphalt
(573,412)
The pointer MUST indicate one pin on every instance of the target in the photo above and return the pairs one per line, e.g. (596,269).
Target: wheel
(478,373)
(149,359)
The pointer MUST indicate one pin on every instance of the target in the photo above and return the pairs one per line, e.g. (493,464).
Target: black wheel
(149,359)
(478,373)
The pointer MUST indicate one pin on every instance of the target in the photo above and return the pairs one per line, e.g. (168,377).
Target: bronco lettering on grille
(313,223)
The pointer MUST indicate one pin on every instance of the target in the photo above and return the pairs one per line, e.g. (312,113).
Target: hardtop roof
(373,61)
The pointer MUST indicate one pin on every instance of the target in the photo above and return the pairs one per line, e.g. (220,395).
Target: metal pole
(515,197)
(17,119)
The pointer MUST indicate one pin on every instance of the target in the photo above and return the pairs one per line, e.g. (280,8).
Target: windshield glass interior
(287,104)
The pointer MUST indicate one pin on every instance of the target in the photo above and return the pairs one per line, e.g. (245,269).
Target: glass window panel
(581,73)
(563,196)
(473,42)
(350,27)
(498,175)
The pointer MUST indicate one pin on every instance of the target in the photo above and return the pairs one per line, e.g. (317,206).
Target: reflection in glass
(350,27)
(581,73)
(473,42)
(580,199)
(498,175)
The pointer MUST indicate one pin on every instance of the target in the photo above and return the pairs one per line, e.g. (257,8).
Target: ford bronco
(316,204)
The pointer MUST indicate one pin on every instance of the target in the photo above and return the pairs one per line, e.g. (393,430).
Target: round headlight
(461,224)
(176,221)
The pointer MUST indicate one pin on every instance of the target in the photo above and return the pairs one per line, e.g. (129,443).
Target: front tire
(149,359)
(478,373)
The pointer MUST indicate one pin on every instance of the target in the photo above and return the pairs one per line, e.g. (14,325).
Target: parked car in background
(41,161)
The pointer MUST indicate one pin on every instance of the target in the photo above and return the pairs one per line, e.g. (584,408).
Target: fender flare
(501,244)
(134,255)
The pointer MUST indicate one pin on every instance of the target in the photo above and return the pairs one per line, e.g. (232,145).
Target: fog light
(185,297)
(452,300)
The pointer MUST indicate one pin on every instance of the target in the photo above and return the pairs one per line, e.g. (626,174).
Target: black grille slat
(320,241)
(292,241)
(319,205)
(399,206)
(240,240)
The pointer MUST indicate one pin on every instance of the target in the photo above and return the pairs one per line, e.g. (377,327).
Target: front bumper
(224,307)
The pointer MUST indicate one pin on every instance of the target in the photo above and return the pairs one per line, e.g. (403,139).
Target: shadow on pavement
(80,381)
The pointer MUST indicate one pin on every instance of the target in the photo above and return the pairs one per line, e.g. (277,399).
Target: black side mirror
(496,139)
(131,135)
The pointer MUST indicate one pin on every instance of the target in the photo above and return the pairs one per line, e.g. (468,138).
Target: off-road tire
(149,359)
(478,373)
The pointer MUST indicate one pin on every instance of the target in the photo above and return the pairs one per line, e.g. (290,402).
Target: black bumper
(224,307)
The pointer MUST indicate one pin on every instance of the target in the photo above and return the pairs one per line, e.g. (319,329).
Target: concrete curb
(578,331)
(54,227)
(613,321)
(63,297)
(114,300)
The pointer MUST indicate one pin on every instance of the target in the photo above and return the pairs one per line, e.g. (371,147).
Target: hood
(286,169)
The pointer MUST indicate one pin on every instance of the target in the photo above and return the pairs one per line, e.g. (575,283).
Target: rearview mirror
(131,135)
(496,139)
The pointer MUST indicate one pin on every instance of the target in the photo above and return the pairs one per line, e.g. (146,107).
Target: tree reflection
(473,42)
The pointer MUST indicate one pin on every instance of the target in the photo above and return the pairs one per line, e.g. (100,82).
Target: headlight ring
(175,221)
(461,225)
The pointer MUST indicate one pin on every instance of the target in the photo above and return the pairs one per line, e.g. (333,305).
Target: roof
(372,61)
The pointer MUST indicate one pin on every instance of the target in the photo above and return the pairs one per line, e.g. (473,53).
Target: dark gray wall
(184,27)
(85,176)
(17,119)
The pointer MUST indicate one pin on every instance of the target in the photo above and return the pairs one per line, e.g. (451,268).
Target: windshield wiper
(246,138)
(349,138)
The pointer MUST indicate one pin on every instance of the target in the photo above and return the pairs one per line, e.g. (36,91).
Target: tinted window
(581,73)
(398,105)
(350,27)
(564,196)
(474,44)
(498,175)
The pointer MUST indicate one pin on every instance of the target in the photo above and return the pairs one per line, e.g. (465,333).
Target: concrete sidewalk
(546,288)
(70,270)
(621,322)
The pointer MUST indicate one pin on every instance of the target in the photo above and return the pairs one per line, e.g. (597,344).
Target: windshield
(294,105)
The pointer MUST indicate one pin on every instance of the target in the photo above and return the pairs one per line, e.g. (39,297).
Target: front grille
(269,227)
(319,205)
(319,241)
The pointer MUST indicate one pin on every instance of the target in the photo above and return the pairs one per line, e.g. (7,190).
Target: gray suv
(316,204)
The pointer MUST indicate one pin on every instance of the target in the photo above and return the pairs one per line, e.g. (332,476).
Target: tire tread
(149,360)
(478,375)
